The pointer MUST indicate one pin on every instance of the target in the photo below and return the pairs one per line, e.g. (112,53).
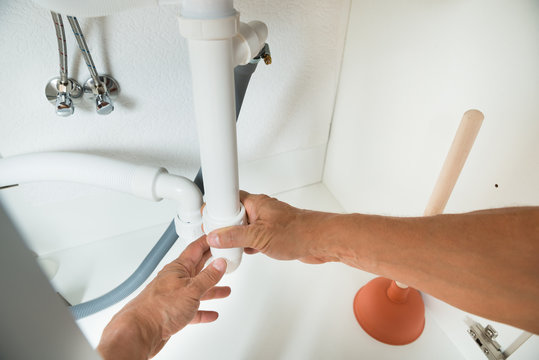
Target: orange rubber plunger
(389,313)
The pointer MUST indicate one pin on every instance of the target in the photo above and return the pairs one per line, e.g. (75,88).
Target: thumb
(232,237)
(209,277)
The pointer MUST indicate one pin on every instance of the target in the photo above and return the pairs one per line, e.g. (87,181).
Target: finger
(208,278)
(203,261)
(203,317)
(234,236)
(217,292)
(193,254)
(249,202)
(250,251)
(244,195)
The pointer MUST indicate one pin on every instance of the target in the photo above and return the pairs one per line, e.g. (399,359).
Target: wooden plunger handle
(453,164)
(454,161)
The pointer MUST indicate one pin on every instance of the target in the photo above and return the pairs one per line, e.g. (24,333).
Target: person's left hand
(168,304)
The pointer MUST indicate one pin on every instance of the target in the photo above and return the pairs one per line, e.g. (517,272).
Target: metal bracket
(264,54)
(484,337)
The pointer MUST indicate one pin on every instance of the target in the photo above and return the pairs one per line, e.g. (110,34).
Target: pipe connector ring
(211,223)
(232,256)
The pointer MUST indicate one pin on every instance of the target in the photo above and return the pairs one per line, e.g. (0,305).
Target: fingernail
(220,264)
(213,240)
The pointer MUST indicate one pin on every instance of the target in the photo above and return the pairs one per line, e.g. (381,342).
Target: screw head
(490,332)
(267,59)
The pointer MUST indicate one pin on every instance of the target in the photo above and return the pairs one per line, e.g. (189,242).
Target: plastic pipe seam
(207,9)
(209,29)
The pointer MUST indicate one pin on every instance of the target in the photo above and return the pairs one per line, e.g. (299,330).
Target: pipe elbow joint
(249,41)
(188,221)
(180,189)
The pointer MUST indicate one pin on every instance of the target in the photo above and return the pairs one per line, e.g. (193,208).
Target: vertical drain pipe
(242,76)
(210,26)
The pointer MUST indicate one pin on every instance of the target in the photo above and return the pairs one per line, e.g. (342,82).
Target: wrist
(363,241)
(324,236)
(345,238)
(128,336)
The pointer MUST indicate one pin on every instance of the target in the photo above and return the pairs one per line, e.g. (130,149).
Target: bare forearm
(485,262)
(120,346)
(127,338)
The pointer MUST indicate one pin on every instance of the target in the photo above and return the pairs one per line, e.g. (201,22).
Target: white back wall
(410,70)
(283,127)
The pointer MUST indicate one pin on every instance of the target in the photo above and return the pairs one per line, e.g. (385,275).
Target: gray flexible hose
(140,275)
(242,76)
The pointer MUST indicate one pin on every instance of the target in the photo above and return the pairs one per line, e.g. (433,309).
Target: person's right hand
(276,229)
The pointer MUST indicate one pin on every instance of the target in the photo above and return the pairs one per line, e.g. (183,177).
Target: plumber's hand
(276,229)
(165,306)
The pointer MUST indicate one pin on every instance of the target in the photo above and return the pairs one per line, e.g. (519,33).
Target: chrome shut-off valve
(62,90)
(62,95)
(103,104)
(103,93)
(64,105)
